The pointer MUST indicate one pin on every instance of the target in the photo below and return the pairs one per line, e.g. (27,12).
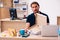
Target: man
(31,18)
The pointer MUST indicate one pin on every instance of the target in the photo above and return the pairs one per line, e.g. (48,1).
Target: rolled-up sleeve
(28,19)
(31,19)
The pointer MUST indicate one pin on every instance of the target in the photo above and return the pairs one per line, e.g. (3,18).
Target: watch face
(1,4)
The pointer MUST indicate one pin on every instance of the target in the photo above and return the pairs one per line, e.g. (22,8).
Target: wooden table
(7,23)
(32,37)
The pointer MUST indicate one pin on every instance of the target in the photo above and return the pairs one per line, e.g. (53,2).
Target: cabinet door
(4,13)
(5,10)
(58,20)
(7,3)
(0,13)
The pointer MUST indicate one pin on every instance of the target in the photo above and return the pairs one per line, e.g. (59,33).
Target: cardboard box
(41,19)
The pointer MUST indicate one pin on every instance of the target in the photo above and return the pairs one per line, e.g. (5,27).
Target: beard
(35,11)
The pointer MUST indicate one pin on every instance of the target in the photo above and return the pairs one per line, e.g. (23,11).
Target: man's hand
(27,27)
(26,30)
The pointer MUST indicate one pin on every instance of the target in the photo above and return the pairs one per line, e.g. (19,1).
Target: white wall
(50,7)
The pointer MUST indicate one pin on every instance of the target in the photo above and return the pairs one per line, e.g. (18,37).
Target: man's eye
(35,6)
(32,7)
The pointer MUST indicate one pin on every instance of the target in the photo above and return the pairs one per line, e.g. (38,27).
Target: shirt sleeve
(28,19)
(31,20)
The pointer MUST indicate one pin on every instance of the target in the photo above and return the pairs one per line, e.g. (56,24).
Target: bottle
(18,35)
(59,31)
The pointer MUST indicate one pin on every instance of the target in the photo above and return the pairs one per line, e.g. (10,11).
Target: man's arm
(28,22)
(27,25)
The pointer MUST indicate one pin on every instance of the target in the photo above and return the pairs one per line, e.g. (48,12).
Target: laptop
(49,31)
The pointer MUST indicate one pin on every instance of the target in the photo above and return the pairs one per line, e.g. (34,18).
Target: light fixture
(1,4)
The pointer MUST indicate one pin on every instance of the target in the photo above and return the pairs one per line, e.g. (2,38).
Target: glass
(59,31)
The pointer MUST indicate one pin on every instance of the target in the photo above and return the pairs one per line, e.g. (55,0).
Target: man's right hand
(27,27)
(26,30)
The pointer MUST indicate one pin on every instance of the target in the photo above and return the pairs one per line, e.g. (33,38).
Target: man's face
(35,8)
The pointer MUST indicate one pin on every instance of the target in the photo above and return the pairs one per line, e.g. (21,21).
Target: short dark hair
(34,3)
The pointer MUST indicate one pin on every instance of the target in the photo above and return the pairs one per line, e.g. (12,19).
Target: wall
(50,7)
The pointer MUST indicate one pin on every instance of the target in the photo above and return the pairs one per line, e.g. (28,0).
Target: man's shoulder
(30,15)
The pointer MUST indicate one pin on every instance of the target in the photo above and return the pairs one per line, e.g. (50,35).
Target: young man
(31,18)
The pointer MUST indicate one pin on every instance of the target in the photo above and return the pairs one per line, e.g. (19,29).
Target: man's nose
(34,8)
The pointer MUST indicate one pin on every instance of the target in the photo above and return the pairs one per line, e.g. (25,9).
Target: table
(18,24)
(31,37)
